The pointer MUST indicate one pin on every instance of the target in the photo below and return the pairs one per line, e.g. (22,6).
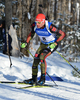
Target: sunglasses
(38,22)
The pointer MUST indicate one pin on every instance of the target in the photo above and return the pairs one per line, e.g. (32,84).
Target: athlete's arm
(58,32)
(31,34)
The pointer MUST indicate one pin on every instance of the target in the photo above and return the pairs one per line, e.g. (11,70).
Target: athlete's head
(40,20)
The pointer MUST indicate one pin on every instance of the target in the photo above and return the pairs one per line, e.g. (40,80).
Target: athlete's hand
(23,45)
(52,46)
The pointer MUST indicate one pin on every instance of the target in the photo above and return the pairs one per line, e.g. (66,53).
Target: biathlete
(50,36)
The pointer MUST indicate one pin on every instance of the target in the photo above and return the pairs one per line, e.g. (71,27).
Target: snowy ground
(69,89)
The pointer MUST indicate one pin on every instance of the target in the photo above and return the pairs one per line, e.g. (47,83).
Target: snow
(69,89)
(29,16)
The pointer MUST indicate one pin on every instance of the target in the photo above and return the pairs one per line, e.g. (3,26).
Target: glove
(52,46)
(23,45)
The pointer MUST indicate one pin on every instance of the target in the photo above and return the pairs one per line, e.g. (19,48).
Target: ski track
(69,89)
(65,91)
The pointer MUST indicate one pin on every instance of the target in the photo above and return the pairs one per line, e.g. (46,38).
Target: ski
(36,86)
(12,82)
(28,85)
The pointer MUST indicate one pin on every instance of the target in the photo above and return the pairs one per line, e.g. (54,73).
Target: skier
(50,36)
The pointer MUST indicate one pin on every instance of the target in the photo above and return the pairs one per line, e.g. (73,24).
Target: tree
(8,13)
(26,22)
(8,18)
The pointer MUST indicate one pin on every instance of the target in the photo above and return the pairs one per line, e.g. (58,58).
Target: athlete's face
(40,24)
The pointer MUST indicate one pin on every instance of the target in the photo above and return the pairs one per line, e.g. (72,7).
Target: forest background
(65,14)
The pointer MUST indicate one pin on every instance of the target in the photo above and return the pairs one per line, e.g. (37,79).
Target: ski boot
(31,81)
(42,80)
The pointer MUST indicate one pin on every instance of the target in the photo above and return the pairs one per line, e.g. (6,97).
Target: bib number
(44,39)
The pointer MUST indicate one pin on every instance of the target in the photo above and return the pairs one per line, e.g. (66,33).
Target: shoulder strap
(35,27)
(47,26)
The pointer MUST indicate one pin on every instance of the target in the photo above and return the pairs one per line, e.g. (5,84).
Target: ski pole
(68,62)
(51,79)
(30,53)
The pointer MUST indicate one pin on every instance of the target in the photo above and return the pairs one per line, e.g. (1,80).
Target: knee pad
(42,55)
